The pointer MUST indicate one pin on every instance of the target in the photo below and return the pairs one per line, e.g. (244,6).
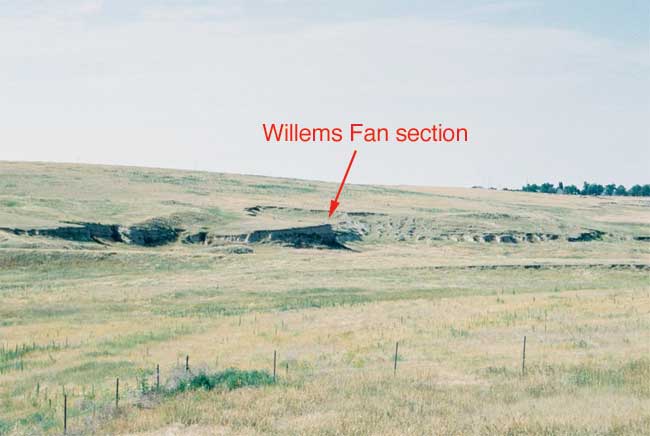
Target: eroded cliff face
(157,233)
(323,236)
(349,228)
(149,234)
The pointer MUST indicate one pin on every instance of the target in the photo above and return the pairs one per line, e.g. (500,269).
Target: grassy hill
(107,272)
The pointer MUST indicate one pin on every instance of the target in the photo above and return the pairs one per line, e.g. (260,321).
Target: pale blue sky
(548,89)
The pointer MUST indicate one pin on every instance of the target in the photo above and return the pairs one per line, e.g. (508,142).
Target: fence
(90,403)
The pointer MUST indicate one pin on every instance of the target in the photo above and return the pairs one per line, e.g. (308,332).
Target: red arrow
(335,203)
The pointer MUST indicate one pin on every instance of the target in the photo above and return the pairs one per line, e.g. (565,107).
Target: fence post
(545,319)
(157,376)
(187,363)
(275,357)
(117,393)
(395,363)
(523,358)
(65,414)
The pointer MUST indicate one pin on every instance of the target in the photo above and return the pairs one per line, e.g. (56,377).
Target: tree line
(589,189)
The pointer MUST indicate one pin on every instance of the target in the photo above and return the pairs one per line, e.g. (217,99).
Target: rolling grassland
(111,272)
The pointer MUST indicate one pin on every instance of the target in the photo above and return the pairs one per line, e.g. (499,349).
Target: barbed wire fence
(81,407)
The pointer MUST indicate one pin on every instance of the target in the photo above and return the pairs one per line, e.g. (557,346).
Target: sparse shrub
(4,427)
(143,379)
(581,344)
(634,375)
(543,389)
(9,203)
(497,371)
(44,420)
(352,358)
(229,379)
(458,333)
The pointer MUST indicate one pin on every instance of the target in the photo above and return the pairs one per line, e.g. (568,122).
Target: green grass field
(457,277)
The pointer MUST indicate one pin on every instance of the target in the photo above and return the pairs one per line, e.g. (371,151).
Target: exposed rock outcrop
(158,232)
(149,234)
(323,236)
(379,226)
(351,227)
(592,235)
(81,232)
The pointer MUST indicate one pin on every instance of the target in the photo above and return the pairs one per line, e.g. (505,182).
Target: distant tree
(547,188)
(645,191)
(635,191)
(597,189)
(592,189)
(530,188)
(589,189)
(571,190)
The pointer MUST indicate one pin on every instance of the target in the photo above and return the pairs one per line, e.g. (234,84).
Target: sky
(548,90)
